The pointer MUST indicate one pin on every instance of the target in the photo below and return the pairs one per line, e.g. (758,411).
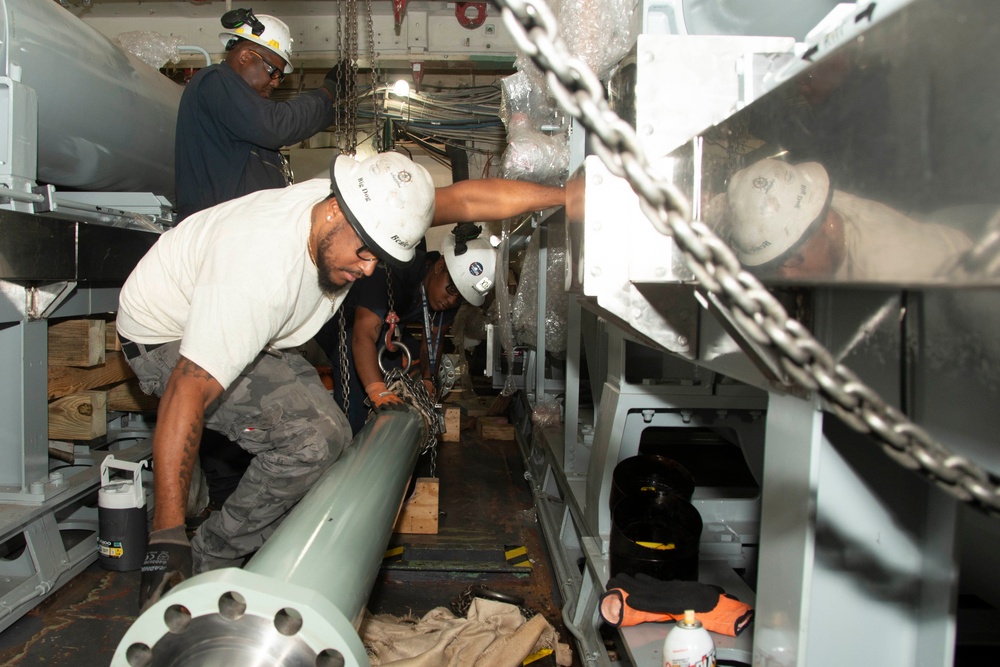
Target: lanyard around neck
(432,341)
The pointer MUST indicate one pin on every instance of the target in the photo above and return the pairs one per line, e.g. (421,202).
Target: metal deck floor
(485,509)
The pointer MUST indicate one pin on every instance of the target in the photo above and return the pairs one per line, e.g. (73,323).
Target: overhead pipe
(300,599)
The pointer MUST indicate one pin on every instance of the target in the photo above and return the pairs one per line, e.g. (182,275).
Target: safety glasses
(272,71)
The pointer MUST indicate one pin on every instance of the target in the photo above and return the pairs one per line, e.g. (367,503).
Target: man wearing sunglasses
(229,133)
(228,141)
(427,295)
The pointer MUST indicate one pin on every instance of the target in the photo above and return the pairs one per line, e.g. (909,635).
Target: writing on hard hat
(388,199)
(269,32)
(771,205)
(474,270)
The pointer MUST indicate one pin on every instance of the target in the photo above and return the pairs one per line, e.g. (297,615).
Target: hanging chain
(352,84)
(345,365)
(338,104)
(376,76)
(760,316)
(412,390)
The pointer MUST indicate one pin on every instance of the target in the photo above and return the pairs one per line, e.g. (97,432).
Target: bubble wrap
(152,48)
(532,154)
(546,414)
(598,32)
(556,298)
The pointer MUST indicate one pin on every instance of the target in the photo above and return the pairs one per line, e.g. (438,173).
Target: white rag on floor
(492,634)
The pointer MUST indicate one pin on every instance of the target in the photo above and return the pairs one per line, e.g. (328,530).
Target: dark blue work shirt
(228,137)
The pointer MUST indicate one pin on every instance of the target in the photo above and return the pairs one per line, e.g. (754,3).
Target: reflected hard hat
(472,271)
(275,37)
(388,199)
(771,205)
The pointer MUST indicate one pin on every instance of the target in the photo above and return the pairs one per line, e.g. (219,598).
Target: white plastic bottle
(688,644)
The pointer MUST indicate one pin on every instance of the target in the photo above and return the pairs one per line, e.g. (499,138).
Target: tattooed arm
(181,414)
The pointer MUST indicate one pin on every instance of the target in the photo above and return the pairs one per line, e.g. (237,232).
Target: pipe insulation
(302,596)
(106,119)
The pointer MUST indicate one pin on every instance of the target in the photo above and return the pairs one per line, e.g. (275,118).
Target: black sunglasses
(272,71)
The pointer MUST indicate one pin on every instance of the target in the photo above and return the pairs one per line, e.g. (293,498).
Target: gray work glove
(168,563)
(337,78)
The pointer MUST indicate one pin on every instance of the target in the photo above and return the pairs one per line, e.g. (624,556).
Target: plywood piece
(420,513)
(81,416)
(77,343)
(66,380)
(452,424)
(495,428)
(128,397)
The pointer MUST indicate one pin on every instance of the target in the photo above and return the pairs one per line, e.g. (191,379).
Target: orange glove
(725,616)
(381,398)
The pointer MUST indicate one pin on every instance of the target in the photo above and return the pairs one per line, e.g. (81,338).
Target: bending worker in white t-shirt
(204,319)
(786,221)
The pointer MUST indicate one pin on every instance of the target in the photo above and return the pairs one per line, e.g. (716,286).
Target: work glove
(337,78)
(641,599)
(381,398)
(168,563)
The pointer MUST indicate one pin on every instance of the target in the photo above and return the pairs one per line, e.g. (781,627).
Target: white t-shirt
(885,245)
(232,280)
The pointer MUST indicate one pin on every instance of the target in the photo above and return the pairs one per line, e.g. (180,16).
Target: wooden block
(111,341)
(127,397)
(454,396)
(420,512)
(77,343)
(81,416)
(452,424)
(495,428)
(66,380)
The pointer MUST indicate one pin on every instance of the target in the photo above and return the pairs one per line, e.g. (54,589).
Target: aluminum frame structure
(855,552)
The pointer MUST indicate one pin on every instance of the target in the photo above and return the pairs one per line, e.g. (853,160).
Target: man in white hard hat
(229,134)
(206,318)
(787,221)
(427,295)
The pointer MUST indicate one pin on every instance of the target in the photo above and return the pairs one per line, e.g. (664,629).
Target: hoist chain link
(412,390)
(345,364)
(759,315)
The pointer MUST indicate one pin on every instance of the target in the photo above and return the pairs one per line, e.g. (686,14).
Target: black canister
(122,518)
(650,473)
(656,534)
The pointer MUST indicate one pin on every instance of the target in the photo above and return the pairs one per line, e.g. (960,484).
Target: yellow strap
(659,546)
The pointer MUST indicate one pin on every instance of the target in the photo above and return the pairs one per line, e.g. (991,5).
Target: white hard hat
(388,199)
(772,204)
(472,271)
(275,37)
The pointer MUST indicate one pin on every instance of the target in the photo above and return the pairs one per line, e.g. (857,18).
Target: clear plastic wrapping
(152,48)
(598,32)
(532,154)
(525,308)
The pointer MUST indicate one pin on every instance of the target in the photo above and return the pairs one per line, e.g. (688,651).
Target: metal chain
(376,76)
(345,365)
(412,390)
(339,102)
(352,84)
(760,316)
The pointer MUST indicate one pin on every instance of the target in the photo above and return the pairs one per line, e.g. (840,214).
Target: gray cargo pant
(278,410)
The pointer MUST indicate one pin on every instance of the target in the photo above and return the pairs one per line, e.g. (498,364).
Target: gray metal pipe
(106,119)
(300,599)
